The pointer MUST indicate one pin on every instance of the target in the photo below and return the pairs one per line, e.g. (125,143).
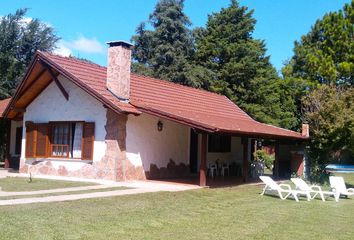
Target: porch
(170,151)
(236,164)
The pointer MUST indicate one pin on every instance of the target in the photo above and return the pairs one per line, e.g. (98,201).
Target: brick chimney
(305,130)
(118,69)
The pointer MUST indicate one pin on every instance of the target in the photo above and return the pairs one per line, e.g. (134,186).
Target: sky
(84,26)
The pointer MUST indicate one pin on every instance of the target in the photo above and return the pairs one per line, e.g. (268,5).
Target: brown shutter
(42,140)
(87,141)
(30,139)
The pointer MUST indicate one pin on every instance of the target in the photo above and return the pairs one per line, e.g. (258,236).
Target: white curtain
(77,140)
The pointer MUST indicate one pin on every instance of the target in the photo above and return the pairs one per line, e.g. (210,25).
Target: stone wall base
(132,172)
(90,171)
(171,171)
(97,171)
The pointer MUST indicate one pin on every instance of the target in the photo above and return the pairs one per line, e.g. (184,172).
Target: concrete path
(6,172)
(142,187)
(135,187)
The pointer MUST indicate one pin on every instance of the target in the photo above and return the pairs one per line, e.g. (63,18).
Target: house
(70,117)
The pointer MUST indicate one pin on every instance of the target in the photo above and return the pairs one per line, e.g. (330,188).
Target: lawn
(18,184)
(225,213)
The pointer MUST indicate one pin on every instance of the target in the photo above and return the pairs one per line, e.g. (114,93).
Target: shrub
(263,156)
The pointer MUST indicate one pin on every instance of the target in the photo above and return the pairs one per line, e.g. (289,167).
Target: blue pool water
(340,168)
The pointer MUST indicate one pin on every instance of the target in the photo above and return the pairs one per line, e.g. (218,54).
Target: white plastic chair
(339,187)
(213,169)
(313,189)
(224,168)
(271,185)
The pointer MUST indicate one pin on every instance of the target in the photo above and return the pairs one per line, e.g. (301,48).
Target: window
(66,140)
(60,140)
(219,143)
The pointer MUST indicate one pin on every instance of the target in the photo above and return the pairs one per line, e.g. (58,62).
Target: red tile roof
(3,105)
(194,107)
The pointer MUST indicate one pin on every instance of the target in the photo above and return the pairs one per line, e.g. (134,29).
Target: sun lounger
(339,187)
(313,190)
(283,190)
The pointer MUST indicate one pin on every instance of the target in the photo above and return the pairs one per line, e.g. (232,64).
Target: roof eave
(265,135)
(174,118)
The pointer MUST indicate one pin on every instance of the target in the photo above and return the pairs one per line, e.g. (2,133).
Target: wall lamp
(159,126)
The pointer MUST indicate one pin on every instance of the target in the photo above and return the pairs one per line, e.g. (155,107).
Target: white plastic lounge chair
(313,189)
(339,187)
(281,189)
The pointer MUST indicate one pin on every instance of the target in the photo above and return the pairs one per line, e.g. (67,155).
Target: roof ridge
(177,84)
(138,75)
(72,58)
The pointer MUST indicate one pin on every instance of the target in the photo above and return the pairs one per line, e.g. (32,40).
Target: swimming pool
(340,168)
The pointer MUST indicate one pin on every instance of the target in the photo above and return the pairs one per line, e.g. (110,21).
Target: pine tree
(240,65)
(325,55)
(165,51)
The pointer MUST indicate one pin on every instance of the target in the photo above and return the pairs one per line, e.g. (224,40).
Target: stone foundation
(47,168)
(171,171)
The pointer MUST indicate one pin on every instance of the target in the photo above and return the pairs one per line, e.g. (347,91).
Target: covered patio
(226,169)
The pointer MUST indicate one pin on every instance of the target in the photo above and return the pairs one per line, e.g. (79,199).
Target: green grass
(225,213)
(18,184)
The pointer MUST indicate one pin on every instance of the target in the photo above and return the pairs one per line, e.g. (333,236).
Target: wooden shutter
(88,138)
(30,139)
(42,140)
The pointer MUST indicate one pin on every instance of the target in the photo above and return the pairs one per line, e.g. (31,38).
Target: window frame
(218,143)
(34,133)
(51,125)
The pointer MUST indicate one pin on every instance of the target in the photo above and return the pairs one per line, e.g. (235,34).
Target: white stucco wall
(234,156)
(51,105)
(14,126)
(145,145)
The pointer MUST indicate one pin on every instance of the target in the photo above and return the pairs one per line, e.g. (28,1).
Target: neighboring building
(73,118)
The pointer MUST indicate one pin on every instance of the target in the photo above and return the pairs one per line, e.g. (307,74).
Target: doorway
(15,160)
(193,152)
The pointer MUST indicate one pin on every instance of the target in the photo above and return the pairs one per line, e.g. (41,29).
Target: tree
(20,39)
(330,112)
(165,51)
(325,55)
(240,68)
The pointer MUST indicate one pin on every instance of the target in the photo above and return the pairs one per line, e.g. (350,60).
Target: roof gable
(38,78)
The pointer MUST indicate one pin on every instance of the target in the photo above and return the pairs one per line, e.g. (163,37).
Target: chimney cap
(119,43)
